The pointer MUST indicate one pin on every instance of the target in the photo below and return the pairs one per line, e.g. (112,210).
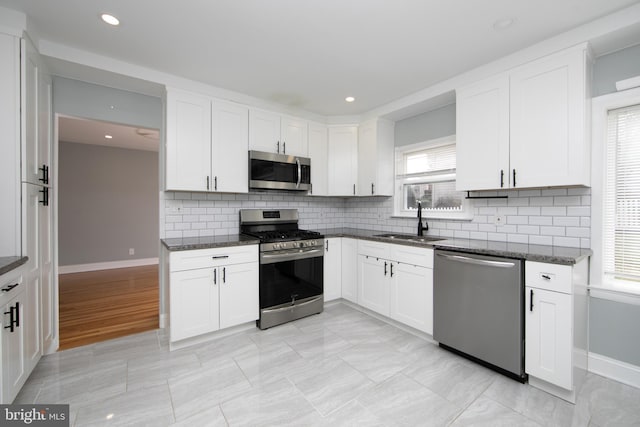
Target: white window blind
(434,159)
(622,195)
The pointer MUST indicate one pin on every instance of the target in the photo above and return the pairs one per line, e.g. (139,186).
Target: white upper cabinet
(549,140)
(319,152)
(375,158)
(482,135)
(343,160)
(526,128)
(229,147)
(207,144)
(188,153)
(275,133)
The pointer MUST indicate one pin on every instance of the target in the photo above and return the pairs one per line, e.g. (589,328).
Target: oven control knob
(277,246)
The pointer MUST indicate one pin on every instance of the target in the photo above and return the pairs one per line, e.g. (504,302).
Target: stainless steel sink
(409,237)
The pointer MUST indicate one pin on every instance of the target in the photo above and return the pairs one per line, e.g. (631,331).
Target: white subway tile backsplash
(549,216)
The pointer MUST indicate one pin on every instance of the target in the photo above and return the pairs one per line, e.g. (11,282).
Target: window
(621,196)
(426,173)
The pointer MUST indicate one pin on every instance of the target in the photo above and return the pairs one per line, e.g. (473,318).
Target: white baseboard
(164,321)
(625,373)
(80,268)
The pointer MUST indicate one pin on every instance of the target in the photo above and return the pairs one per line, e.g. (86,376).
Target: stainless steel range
(291,265)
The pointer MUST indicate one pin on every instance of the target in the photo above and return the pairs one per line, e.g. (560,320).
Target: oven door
(279,172)
(289,277)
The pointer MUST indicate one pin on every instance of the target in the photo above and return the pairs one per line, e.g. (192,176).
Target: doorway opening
(107,230)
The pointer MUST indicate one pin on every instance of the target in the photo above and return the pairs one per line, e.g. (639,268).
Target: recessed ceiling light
(503,23)
(349,99)
(108,136)
(110,19)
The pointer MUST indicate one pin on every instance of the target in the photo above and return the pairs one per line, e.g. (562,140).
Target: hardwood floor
(100,305)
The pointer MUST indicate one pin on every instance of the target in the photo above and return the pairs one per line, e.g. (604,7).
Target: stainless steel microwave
(270,171)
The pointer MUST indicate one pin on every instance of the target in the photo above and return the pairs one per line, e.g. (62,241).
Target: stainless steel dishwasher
(478,309)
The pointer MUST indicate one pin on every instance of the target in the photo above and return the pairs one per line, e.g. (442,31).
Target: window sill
(453,216)
(619,292)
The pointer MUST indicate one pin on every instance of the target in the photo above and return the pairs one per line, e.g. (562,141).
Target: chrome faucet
(421,228)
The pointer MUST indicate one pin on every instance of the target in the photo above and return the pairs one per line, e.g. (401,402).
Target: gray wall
(424,127)
(89,101)
(108,203)
(620,65)
(614,330)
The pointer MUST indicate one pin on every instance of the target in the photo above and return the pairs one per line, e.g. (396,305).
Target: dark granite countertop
(8,263)
(205,242)
(539,253)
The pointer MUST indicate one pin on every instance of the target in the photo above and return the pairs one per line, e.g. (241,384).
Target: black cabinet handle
(17,315)
(45,196)
(278,147)
(10,313)
(372,188)
(14,317)
(215,183)
(354,189)
(327,245)
(8,288)
(207,182)
(546,276)
(514,177)
(224,274)
(531,301)
(215,276)
(45,174)
(501,178)
(391,268)
(385,268)
(284,147)
(220,257)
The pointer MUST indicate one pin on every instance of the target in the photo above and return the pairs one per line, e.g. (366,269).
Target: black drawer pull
(546,276)
(531,301)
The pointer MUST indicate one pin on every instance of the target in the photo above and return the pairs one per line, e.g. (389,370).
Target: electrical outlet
(132,251)
(499,220)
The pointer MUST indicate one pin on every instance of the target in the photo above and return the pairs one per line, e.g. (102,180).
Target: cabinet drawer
(552,277)
(374,249)
(204,258)
(412,255)
(10,285)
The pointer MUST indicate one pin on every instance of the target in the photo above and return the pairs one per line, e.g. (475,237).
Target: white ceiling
(71,129)
(310,54)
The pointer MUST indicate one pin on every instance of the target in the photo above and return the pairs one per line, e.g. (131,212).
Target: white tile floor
(339,368)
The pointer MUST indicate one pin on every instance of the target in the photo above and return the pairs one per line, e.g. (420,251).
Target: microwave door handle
(299,172)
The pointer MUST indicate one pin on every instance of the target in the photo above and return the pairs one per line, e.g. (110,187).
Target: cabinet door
(239,295)
(343,158)
(194,302)
(264,131)
(411,299)
(13,357)
(548,142)
(229,147)
(373,284)
(30,114)
(10,146)
(188,142)
(549,341)
(482,135)
(332,269)
(294,134)
(350,269)
(375,158)
(318,152)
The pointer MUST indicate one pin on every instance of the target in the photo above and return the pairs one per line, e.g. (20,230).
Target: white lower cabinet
(555,326)
(350,269)
(15,362)
(548,332)
(397,281)
(211,289)
(332,269)
(411,296)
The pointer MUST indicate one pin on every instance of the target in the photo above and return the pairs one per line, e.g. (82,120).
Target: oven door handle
(299,172)
(289,307)
(270,258)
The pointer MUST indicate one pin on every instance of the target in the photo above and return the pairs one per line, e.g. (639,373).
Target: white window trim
(467,209)
(600,108)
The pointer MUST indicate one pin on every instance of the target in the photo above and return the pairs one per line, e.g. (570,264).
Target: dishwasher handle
(477,261)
